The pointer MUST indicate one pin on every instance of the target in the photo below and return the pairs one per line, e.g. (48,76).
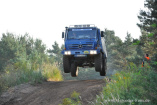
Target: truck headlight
(93,52)
(67,52)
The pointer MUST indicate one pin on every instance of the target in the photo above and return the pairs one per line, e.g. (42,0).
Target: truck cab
(84,47)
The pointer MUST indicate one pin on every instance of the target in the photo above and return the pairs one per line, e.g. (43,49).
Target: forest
(27,60)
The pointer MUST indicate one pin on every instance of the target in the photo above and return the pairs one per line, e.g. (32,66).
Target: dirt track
(51,93)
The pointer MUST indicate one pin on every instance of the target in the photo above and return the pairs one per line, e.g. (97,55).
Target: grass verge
(75,99)
(14,76)
(135,85)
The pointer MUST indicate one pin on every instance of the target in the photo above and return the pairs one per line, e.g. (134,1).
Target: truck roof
(83,26)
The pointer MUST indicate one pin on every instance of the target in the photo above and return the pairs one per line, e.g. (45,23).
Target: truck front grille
(80,46)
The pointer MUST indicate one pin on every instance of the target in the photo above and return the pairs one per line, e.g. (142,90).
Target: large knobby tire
(98,62)
(66,64)
(74,70)
(104,69)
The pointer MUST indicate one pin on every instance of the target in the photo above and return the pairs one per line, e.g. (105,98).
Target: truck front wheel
(66,64)
(74,70)
(98,62)
(104,68)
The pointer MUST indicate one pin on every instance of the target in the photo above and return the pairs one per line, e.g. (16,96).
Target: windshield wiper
(72,38)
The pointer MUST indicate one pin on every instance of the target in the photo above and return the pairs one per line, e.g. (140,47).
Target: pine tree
(148,17)
(148,26)
(55,53)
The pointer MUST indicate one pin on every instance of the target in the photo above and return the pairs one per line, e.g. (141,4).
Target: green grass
(136,86)
(14,76)
(73,100)
(52,73)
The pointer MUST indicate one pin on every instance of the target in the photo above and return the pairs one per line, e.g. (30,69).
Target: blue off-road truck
(84,47)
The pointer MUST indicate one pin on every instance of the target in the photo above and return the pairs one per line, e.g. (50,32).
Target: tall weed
(17,74)
(75,99)
(51,73)
(135,85)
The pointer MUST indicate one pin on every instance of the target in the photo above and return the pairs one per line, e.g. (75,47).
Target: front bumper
(80,52)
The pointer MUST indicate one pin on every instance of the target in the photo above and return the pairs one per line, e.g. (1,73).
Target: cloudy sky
(46,19)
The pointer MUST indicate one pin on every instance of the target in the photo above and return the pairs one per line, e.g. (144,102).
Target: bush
(15,76)
(74,100)
(136,85)
(52,73)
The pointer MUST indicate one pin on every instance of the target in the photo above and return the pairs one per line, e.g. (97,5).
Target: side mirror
(102,33)
(62,34)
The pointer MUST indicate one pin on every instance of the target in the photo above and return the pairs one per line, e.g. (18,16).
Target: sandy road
(51,93)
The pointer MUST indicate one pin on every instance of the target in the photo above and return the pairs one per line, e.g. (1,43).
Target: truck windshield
(82,34)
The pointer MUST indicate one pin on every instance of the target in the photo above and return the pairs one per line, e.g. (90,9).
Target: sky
(47,19)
